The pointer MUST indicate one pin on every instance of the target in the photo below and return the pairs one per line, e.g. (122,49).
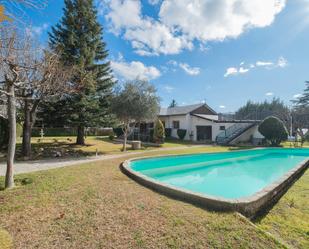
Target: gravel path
(31,166)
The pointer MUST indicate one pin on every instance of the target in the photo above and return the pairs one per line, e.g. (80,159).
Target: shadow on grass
(19,181)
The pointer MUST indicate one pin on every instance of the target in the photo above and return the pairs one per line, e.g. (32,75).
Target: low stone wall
(251,207)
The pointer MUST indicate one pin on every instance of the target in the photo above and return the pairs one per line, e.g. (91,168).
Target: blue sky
(223,52)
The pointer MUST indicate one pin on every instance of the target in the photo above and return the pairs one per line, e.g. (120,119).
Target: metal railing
(232,131)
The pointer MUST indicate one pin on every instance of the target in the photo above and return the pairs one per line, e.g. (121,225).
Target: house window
(222,128)
(176,124)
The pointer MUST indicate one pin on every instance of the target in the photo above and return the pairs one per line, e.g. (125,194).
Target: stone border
(251,206)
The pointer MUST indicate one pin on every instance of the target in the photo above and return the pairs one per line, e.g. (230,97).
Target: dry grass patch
(289,219)
(5,240)
(96,206)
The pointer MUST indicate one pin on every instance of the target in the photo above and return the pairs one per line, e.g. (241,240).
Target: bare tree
(15,9)
(14,54)
(48,78)
(300,116)
(30,77)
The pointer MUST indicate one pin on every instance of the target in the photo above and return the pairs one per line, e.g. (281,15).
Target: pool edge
(251,206)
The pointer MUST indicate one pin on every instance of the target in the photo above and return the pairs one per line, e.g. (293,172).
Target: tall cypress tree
(78,38)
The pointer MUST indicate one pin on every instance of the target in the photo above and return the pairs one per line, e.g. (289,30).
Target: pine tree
(303,101)
(173,103)
(78,38)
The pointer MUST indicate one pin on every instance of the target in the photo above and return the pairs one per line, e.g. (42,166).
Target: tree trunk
(124,147)
(80,140)
(11,108)
(125,137)
(26,144)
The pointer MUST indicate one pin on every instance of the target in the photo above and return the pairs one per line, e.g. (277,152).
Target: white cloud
(269,94)
(243,70)
(180,23)
(189,70)
(185,67)
(208,20)
(231,71)
(280,63)
(235,71)
(264,63)
(222,107)
(147,36)
(168,88)
(296,96)
(134,70)
(153,2)
(204,48)
(37,30)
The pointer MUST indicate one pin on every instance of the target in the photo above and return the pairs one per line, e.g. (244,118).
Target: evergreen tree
(78,39)
(159,132)
(303,101)
(173,103)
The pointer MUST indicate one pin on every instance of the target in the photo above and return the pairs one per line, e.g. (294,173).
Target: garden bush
(168,132)
(181,133)
(159,132)
(273,130)
(151,132)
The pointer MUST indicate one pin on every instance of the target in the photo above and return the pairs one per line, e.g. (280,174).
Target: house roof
(182,110)
(225,121)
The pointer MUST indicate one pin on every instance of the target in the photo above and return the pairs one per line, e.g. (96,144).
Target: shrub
(168,132)
(111,137)
(181,133)
(273,130)
(159,132)
(118,131)
(4,132)
(151,132)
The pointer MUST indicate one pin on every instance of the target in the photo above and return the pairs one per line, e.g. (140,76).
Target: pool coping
(250,206)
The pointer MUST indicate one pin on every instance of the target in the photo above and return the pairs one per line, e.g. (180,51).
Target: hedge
(168,132)
(118,131)
(273,130)
(181,133)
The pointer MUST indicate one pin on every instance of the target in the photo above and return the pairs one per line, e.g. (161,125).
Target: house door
(203,133)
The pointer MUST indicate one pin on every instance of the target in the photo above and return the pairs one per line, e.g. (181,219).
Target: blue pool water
(229,175)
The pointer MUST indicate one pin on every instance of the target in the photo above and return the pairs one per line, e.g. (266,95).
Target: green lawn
(46,147)
(96,206)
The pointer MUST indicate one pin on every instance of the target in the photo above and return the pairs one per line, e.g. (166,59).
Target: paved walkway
(31,166)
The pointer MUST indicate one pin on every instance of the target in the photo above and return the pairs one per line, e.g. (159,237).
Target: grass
(291,144)
(96,206)
(48,146)
(5,240)
(289,219)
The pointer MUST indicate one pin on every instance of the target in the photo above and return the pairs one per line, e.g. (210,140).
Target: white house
(203,125)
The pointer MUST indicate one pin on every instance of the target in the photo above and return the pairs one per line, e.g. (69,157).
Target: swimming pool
(226,180)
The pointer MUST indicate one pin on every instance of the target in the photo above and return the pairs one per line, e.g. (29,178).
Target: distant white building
(203,125)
